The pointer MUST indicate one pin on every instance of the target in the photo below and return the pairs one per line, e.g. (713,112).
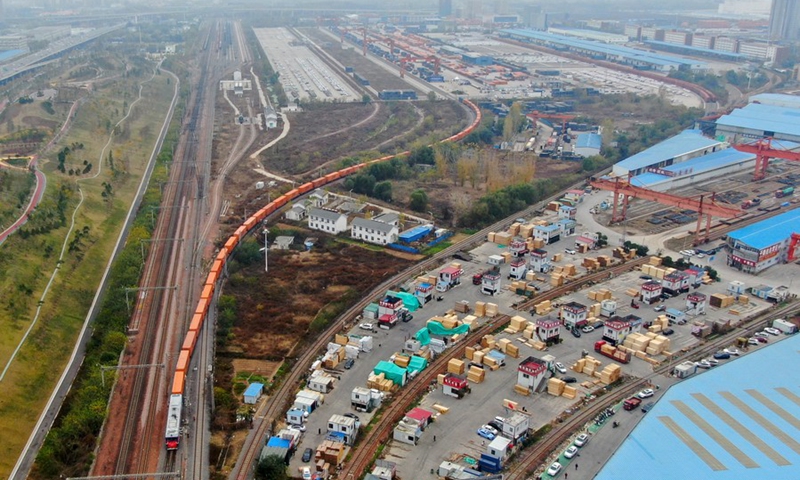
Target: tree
(271,467)
(424,155)
(366,99)
(431,96)
(383,191)
(419,201)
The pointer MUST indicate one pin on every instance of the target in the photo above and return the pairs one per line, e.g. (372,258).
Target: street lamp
(266,249)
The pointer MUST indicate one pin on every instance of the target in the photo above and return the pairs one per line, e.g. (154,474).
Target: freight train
(172,433)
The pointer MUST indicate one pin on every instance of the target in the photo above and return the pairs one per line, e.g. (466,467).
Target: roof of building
(589,140)
(684,143)
(693,166)
(718,428)
(254,389)
(697,50)
(674,312)
(419,414)
(298,207)
(546,228)
(388,217)
(777,99)
(373,224)
(575,306)
(764,118)
(627,53)
(499,443)
(279,442)
(770,231)
(284,241)
(326,214)
(319,193)
(342,420)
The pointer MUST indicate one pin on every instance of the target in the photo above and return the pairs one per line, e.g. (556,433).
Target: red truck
(632,403)
(604,348)
(751,203)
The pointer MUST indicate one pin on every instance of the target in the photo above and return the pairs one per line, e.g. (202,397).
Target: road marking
(712,432)
(763,422)
(693,444)
(776,409)
(757,442)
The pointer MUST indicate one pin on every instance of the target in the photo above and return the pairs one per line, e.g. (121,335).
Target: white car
(731,351)
(570,251)
(554,469)
(365,326)
(571,451)
(306,473)
(560,367)
(700,255)
(753,341)
(646,393)
(587,329)
(686,253)
(772,331)
(581,440)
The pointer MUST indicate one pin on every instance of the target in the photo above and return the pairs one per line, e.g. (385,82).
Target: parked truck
(784,192)
(604,348)
(632,403)
(753,202)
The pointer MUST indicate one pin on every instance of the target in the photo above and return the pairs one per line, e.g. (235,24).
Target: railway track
(534,456)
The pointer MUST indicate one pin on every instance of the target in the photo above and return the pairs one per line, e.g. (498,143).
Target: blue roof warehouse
(761,245)
(715,428)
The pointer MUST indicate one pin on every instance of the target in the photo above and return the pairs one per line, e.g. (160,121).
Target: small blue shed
(253,393)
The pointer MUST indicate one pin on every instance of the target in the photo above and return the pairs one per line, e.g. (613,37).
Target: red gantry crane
(703,205)
(763,151)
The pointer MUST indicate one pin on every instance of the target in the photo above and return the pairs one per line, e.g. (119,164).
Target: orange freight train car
(178,383)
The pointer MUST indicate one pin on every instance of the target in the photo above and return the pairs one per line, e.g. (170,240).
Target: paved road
(41,183)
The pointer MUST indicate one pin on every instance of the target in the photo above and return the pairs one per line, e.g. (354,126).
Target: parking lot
(303,75)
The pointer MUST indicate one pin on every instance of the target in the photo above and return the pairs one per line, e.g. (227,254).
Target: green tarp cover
(437,328)
(417,364)
(409,301)
(391,372)
(422,336)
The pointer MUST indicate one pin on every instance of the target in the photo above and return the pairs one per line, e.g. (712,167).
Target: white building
(327,221)
(297,212)
(343,427)
(574,315)
(531,373)
(319,198)
(407,431)
(270,117)
(373,231)
(516,426)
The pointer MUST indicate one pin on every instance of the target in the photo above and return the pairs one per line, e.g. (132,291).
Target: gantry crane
(535,116)
(703,205)
(431,58)
(763,151)
(793,247)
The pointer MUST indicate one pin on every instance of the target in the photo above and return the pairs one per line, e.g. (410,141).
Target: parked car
(668,331)
(569,379)
(570,251)
(646,393)
(772,331)
(703,364)
(575,333)
(366,326)
(753,341)
(665,296)
(761,339)
(722,356)
(713,361)
(660,308)
(732,351)
(554,469)
(645,277)
(496,425)
(587,329)
(487,432)
(647,406)
(348,364)
(570,451)
(763,335)
(307,454)
(306,473)
(581,440)
(560,367)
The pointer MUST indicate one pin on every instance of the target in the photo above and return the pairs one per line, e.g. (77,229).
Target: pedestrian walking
(566,475)
(319,431)
(434,438)
(576,466)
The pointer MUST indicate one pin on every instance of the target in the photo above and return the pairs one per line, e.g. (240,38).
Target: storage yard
(303,75)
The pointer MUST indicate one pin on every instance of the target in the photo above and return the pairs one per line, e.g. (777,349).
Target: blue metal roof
(777,99)
(547,228)
(770,231)
(699,50)
(764,118)
(589,140)
(254,390)
(630,54)
(674,312)
(278,442)
(684,143)
(704,163)
(647,179)
(736,421)
(9,54)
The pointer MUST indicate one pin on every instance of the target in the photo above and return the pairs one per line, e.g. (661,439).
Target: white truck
(784,326)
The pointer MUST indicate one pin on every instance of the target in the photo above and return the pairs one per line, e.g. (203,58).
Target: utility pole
(266,249)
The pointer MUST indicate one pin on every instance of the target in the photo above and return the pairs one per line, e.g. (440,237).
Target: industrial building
(761,245)
(588,144)
(707,167)
(758,120)
(615,53)
(684,146)
(720,429)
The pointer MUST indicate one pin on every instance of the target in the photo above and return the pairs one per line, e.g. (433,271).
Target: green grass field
(28,262)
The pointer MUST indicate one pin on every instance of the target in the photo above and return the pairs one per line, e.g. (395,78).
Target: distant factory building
(477,59)
(757,120)
(588,144)
(684,146)
(239,85)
